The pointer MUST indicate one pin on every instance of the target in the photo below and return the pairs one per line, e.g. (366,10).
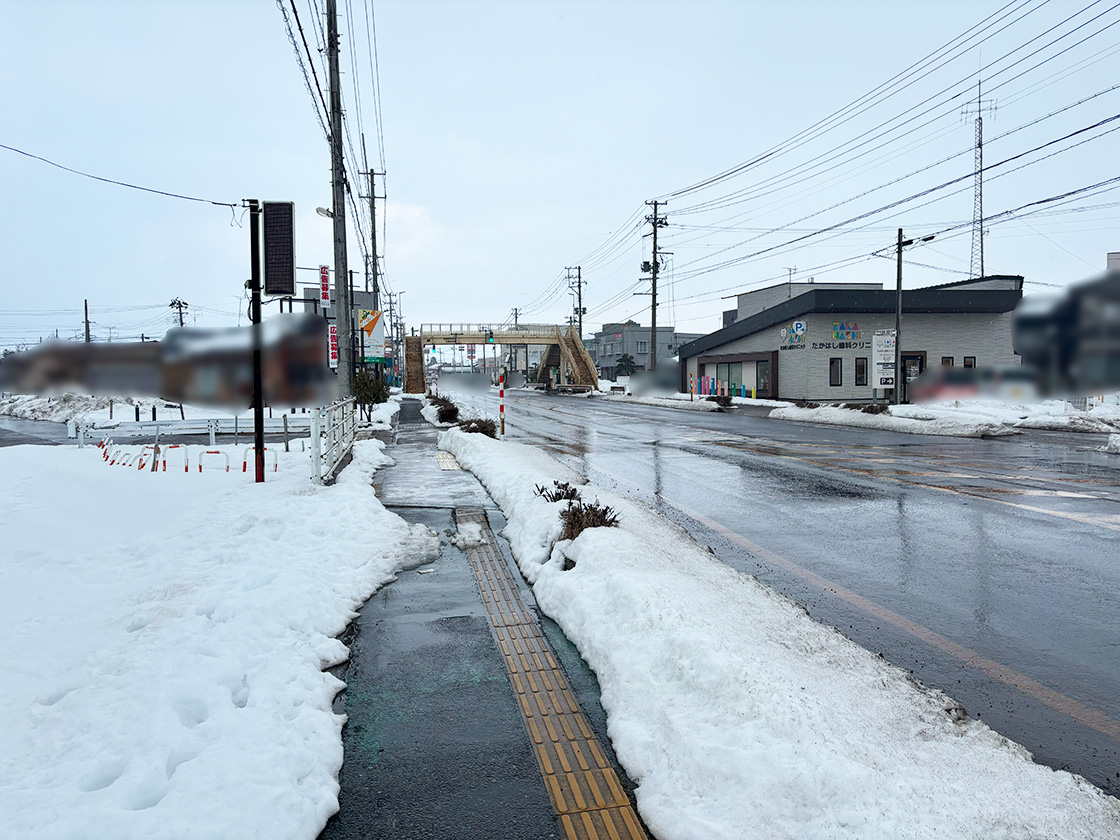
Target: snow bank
(1113,444)
(700,404)
(382,414)
(918,422)
(162,640)
(737,715)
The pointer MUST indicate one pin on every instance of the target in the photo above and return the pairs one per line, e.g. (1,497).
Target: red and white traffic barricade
(268,450)
(212,452)
(140,462)
(186,467)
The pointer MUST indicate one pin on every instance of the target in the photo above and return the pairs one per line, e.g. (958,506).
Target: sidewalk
(469,715)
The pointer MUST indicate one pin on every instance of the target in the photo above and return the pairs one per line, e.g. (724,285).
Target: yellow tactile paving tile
(586,795)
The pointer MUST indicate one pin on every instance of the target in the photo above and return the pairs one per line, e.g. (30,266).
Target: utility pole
(374,268)
(657,222)
(175,304)
(898,375)
(579,295)
(87,320)
(338,182)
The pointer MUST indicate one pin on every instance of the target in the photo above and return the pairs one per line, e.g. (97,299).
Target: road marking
(1032,688)
(586,795)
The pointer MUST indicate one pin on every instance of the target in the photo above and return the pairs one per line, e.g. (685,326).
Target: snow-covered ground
(666,401)
(737,715)
(163,638)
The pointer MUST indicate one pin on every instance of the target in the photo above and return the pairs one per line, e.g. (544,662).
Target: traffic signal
(489,336)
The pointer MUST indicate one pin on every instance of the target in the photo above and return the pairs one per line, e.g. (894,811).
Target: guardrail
(332,436)
(214,427)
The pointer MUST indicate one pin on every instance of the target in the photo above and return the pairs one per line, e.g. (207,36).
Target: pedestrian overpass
(565,354)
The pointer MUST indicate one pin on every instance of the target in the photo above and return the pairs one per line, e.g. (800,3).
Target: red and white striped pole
(502,401)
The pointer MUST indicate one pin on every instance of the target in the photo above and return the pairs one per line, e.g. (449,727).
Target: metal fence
(332,436)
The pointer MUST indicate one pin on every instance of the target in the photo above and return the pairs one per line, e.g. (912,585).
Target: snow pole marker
(502,401)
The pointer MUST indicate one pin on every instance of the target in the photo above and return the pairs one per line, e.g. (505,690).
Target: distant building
(631,338)
(813,341)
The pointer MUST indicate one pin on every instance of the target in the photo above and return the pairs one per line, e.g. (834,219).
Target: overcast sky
(523,137)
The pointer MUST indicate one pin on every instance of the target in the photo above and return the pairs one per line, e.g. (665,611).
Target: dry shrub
(806,404)
(875,408)
(561,491)
(447,411)
(722,400)
(579,516)
(480,425)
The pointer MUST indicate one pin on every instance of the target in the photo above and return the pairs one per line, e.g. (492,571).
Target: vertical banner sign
(279,248)
(324,285)
(372,324)
(882,357)
(333,345)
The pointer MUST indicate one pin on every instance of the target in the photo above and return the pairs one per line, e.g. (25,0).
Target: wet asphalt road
(990,569)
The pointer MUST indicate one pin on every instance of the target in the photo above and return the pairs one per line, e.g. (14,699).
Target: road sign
(279,248)
(882,357)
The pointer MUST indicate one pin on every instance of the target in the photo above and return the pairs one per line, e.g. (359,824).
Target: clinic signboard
(882,359)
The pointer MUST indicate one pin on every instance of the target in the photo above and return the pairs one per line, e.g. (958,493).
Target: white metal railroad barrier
(332,436)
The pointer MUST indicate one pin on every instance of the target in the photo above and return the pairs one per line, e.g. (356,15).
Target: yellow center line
(584,789)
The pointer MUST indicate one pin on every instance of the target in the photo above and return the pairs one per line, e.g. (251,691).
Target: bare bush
(561,491)
(447,411)
(579,517)
(875,408)
(722,400)
(480,425)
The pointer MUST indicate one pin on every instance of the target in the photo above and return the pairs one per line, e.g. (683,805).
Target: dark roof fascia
(935,300)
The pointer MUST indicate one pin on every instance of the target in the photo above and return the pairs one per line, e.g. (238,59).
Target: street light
(324,212)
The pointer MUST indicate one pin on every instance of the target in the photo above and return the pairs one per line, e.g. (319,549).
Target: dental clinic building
(813,341)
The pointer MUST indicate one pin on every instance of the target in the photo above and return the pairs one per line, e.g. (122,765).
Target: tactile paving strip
(447,461)
(585,791)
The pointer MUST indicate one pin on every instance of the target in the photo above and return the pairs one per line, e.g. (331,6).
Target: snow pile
(162,640)
(382,414)
(1113,444)
(700,404)
(470,535)
(917,421)
(62,408)
(738,715)
(1076,422)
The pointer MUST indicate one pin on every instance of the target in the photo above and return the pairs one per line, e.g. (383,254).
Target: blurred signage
(325,284)
(279,248)
(882,357)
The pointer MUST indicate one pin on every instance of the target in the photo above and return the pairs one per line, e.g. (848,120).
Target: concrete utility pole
(255,317)
(898,375)
(579,295)
(176,304)
(338,183)
(373,241)
(87,320)
(655,266)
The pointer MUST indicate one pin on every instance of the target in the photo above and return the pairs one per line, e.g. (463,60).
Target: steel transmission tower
(976,262)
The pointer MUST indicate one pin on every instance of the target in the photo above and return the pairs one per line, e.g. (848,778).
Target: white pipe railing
(332,437)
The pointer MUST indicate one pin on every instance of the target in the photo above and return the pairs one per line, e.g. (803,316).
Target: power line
(118,183)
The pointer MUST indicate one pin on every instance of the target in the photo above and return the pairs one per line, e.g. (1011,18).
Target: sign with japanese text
(882,358)
(325,284)
(332,345)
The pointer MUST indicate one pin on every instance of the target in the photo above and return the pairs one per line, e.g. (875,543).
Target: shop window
(835,372)
(861,370)
(946,361)
(970,361)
